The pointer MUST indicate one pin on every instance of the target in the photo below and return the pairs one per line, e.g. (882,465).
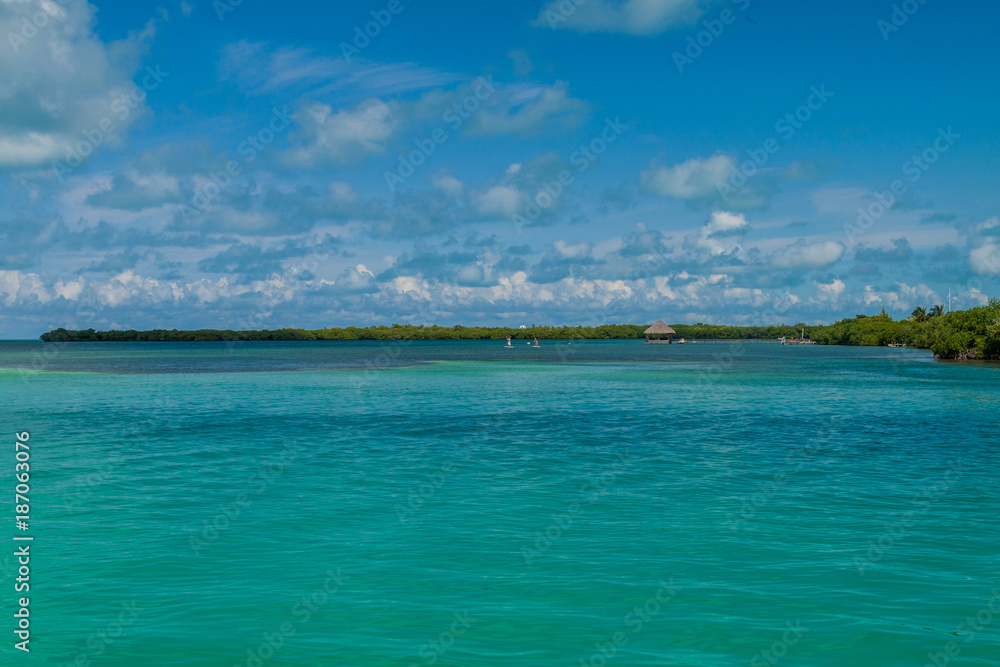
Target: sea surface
(459,503)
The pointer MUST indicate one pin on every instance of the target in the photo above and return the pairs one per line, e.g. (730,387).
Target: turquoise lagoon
(458,503)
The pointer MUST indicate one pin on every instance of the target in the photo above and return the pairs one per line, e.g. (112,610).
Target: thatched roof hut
(658,331)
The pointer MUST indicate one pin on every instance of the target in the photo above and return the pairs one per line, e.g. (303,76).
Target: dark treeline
(963,334)
(412,332)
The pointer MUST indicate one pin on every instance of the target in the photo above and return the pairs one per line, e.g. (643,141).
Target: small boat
(796,341)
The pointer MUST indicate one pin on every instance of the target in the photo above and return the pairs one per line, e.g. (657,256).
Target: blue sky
(263,164)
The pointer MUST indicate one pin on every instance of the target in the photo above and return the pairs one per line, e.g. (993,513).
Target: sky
(247,164)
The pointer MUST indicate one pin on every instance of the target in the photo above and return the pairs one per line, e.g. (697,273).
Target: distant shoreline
(416,333)
(962,334)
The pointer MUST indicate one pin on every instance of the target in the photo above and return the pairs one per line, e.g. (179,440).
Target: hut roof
(659,328)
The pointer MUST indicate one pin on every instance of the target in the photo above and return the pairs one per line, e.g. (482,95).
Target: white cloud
(695,179)
(343,193)
(135,190)
(720,235)
(59,80)
(977,296)
(267,70)
(829,291)
(411,286)
(70,290)
(578,250)
(342,137)
(802,255)
(985,260)
(902,300)
(499,201)
(723,221)
(447,184)
(527,110)
(633,17)
(17,288)
(745,295)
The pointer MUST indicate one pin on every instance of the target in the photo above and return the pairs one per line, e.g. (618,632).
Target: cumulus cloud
(19,288)
(447,183)
(61,81)
(343,137)
(901,300)
(253,261)
(900,252)
(829,291)
(984,239)
(357,279)
(695,179)
(326,136)
(632,17)
(985,260)
(718,181)
(135,191)
(721,235)
(455,282)
(724,222)
(500,201)
(803,255)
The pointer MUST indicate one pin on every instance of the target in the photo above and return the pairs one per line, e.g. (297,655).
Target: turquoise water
(458,503)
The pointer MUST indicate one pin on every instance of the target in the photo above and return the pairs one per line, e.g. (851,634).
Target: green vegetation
(411,332)
(963,334)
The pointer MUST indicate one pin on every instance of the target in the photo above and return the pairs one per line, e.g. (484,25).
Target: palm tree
(919,314)
(936,311)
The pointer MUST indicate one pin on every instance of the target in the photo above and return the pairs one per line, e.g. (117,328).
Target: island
(962,334)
